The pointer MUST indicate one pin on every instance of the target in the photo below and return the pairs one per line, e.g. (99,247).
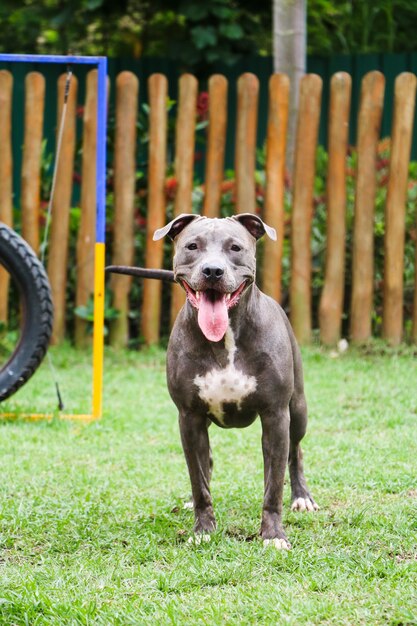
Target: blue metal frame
(101,64)
(98,332)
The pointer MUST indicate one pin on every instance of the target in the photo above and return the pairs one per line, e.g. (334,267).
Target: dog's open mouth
(213,307)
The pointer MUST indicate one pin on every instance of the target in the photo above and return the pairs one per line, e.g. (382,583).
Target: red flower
(202,106)
(227,186)
(140,220)
(287,180)
(382,164)
(171,185)
(259,191)
(384,145)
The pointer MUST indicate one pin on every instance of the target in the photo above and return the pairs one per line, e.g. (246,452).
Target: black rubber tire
(28,274)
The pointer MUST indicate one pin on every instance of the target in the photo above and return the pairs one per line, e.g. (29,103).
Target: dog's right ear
(175,227)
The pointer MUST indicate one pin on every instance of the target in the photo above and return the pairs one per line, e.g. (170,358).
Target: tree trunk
(289,48)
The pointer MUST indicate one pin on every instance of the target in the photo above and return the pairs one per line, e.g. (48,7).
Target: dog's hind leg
(301,499)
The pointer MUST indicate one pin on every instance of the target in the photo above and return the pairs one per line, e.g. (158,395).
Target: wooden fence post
(279,86)
(369,123)
(86,232)
(184,164)
(302,213)
(414,321)
(402,131)
(331,302)
(59,234)
(32,154)
(216,143)
(151,307)
(245,159)
(127,90)
(6,175)
(6,161)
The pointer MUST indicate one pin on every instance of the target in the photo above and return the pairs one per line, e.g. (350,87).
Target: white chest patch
(225,385)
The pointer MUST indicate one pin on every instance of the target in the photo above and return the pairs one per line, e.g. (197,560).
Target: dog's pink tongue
(212,317)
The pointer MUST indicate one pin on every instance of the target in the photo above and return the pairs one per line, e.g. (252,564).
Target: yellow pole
(98,329)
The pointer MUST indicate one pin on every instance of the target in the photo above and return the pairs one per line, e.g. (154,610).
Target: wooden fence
(124,166)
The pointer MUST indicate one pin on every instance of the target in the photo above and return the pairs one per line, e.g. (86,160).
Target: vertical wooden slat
(6,174)
(279,86)
(331,302)
(402,132)
(86,233)
(6,161)
(302,213)
(245,152)
(185,142)
(32,153)
(414,318)
(216,143)
(184,164)
(369,123)
(151,307)
(127,90)
(59,233)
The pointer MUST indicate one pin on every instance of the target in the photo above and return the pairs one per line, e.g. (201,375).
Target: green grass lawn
(92,525)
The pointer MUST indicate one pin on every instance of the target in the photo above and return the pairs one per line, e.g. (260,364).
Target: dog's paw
(304,504)
(198,538)
(277,543)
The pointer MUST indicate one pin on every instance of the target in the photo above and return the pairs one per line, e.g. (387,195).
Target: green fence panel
(356,65)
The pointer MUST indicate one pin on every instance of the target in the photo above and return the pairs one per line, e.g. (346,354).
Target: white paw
(304,504)
(278,544)
(188,506)
(198,538)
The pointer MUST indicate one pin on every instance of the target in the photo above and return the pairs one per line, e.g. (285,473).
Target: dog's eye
(236,248)
(192,246)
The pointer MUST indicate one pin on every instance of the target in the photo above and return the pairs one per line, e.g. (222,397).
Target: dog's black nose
(212,272)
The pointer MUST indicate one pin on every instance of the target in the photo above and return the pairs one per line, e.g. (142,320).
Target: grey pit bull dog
(232,356)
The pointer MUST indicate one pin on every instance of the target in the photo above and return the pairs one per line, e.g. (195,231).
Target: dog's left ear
(175,226)
(255,226)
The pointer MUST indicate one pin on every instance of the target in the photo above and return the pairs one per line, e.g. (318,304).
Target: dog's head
(215,263)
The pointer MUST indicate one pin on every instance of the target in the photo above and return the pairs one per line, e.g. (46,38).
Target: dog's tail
(143,272)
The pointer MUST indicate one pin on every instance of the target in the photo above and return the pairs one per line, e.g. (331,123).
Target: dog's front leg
(275,446)
(196,446)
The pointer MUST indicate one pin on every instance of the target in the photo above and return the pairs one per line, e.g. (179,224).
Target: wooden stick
(245,159)
(6,176)
(151,307)
(185,142)
(86,234)
(304,172)
(142,272)
(184,164)
(414,317)
(279,86)
(59,233)
(402,132)
(369,122)
(331,302)
(32,154)
(216,143)
(127,90)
